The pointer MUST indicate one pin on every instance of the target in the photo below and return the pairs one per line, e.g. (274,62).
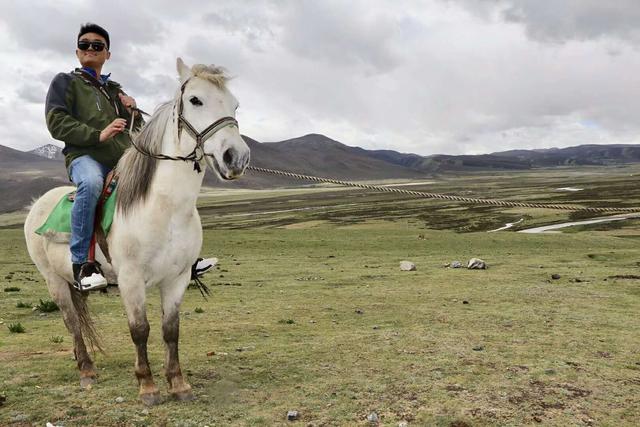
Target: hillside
(11,159)
(317,155)
(590,154)
(24,176)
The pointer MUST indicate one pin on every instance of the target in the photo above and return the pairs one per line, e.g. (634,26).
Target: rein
(200,137)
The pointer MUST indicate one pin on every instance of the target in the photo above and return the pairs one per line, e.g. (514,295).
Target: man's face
(91,57)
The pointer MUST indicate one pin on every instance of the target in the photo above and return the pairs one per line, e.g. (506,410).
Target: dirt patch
(456,388)
(518,369)
(545,399)
(575,392)
(206,375)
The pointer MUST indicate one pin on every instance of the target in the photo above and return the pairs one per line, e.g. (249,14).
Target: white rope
(423,194)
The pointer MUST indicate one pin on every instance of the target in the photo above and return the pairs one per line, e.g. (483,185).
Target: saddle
(57,226)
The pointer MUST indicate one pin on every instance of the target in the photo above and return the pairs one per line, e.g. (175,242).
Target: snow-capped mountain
(49,151)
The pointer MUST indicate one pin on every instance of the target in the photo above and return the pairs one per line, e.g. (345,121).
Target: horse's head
(207,112)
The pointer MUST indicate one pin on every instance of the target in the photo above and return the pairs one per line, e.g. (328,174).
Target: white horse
(156,233)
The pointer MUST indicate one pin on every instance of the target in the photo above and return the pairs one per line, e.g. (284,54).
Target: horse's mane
(216,75)
(136,170)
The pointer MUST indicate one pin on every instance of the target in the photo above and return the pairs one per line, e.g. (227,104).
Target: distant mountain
(24,176)
(591,154)
(49,151)
(581,155)
(317,155)
(441,163)
(15,159)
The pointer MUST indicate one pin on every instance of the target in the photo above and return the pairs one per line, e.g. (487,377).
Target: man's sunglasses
(84,45)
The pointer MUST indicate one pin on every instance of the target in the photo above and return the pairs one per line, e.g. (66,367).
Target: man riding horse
(88,112)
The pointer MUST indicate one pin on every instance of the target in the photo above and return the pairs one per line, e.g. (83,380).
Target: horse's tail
(89,331)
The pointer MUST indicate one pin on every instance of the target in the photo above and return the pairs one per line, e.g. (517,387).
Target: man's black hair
(94,28)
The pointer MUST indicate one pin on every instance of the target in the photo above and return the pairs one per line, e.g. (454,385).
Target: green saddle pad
(59,220)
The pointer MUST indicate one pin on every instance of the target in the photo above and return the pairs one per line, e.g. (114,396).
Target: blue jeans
(88,176)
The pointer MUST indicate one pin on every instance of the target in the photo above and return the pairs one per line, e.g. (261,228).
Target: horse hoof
(183,396)
(151,399)
(86,383)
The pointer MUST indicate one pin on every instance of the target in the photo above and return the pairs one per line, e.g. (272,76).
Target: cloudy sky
(421,76)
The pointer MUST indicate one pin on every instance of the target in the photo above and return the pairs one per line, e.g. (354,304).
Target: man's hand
(127,101)
(114,128)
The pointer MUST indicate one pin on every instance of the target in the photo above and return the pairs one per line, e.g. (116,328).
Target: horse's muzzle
(233,164)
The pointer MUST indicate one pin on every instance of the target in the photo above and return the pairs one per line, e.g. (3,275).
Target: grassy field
(310,312)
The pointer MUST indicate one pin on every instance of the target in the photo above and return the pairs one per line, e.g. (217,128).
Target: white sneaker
(88,277)
(203,265)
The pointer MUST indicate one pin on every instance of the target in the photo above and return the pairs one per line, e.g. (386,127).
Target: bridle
(200,137)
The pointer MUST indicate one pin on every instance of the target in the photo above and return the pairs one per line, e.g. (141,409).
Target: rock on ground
(373,418)
(19,418)
(476,264)
(407,266)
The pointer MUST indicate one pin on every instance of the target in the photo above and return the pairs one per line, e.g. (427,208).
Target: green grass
(16,328)
(47,306)
(313,314)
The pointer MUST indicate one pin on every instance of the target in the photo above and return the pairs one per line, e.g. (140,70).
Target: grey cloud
(251,24)
(561,21)
(342,34)
(565,20)
(52,27)
(32,92)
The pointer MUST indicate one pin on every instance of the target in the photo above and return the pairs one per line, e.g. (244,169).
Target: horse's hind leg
(61,294)
(133,297)
(171,299)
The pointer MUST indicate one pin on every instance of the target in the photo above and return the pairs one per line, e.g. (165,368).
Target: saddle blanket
(58,222)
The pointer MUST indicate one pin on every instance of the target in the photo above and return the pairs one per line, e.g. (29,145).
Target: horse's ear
(183,71)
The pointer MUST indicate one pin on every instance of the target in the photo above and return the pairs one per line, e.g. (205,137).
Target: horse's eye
(195,101)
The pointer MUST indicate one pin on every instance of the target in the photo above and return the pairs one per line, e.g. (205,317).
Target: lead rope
(426,195)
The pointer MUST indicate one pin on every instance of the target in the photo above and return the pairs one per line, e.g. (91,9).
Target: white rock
(476,264)
(119,399)
(407,266)
(373,418)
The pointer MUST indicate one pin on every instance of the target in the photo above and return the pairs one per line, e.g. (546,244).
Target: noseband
(200,137)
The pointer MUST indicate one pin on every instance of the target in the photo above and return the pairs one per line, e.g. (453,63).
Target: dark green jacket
(77,110)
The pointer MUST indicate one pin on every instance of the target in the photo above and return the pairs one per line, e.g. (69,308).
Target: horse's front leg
(172,294)
(133,297)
